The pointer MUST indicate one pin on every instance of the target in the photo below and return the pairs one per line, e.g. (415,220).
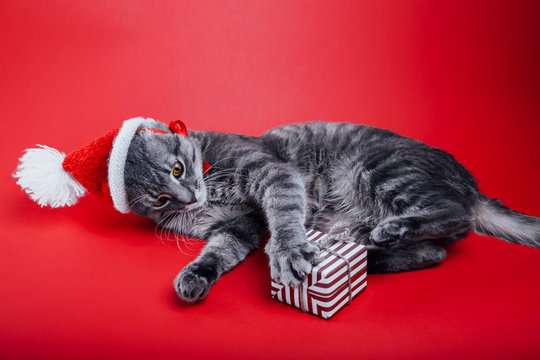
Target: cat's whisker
(162,228)
(177,223)
(225,173)
(178,246)
(219,173)
(162,224)
(166,228)
(182,224)
(218,169)
(137,198)
(133,202)
(172,226)
(225,158)
(159,227)
(187,242)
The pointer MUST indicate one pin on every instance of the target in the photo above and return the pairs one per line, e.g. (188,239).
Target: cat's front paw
(192,284)
(290,264)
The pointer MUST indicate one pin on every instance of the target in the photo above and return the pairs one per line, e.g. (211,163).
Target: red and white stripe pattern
(326,290)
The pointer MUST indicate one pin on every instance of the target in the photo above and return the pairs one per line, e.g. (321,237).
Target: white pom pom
(42,176)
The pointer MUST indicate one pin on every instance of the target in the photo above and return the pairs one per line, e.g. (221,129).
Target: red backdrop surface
(88,282)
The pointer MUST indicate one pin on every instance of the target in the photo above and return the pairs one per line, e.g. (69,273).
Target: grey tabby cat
(401,197)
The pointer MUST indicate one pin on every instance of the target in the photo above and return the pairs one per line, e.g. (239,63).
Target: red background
(88,282)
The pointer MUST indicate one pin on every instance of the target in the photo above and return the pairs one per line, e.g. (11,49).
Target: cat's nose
(193,200)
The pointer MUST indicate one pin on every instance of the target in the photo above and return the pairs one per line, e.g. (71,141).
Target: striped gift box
(332,283)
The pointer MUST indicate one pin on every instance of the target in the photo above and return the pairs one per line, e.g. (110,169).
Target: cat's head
(164,175)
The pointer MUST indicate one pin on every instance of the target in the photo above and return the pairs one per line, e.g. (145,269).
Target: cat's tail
(495,219)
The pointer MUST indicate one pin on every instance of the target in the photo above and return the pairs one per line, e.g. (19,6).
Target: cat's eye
(162,200)
(178,169)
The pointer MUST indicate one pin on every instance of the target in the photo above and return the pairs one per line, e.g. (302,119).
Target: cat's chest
(213,217)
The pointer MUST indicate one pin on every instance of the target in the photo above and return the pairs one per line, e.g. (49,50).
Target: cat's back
(319,148)
(298,143)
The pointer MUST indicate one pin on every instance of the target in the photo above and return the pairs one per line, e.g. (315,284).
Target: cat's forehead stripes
(183,148)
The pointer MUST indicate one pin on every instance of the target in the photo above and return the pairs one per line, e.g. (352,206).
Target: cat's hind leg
(405,257)
(444,220)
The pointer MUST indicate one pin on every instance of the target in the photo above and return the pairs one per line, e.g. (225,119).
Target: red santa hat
(51,178)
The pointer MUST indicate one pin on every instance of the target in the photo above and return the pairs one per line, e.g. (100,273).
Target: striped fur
(400,197)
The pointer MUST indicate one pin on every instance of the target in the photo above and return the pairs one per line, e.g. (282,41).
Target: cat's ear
(154,124)
(152,130)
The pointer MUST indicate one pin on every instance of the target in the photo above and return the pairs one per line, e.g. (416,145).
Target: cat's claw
(191,286)
(291,265)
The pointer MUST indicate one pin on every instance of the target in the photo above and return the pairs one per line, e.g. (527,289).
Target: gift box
(337,279)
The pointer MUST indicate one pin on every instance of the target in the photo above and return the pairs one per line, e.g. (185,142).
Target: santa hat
(54,179)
